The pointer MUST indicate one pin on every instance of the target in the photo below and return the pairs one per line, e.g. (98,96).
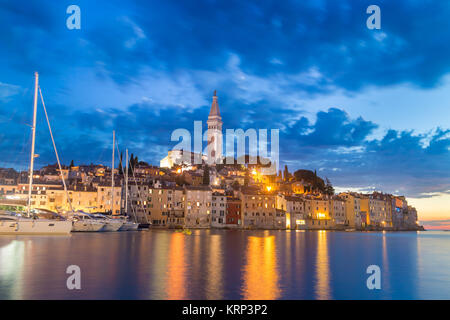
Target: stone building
(198,206)
(218,210)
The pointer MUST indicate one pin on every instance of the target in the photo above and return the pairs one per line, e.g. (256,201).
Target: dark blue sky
(366,108)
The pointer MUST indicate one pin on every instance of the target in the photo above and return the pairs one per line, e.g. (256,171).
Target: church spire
(214,112)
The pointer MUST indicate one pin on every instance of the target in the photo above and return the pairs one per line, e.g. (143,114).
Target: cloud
(7,91)
(436,224)
(368,106)
(171,35)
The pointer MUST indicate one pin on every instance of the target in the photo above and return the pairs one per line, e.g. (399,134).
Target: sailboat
(141,225)
(14,223)
(84,222)
(111,224)
(128,225)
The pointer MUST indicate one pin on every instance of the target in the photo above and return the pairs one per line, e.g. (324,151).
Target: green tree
(180,181)
(206,176)
(328,188)
(72,164)
(235,185)
(121,163)
(286,173)
(246,178)
(131,161)
(308,176)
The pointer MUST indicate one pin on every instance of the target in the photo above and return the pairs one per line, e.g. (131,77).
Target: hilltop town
(210,194)
(208,197)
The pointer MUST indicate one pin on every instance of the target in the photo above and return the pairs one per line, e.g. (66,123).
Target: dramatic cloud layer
(366,108)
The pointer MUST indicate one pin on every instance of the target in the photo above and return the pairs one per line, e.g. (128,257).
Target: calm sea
(221,264)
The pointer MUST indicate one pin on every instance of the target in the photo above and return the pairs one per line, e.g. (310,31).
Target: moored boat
(16,223)
(128,225)
(144,226)
(11,223)
(83,222)
(109,224)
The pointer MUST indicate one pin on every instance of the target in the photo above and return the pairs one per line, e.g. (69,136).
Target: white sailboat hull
(129,226)
(35,226)
(112,226)
(87,226)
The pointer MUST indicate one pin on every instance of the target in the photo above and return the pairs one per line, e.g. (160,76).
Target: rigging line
(13,150)
(56,152)
(100,157)
(15,155)
(139,194)
(121,165)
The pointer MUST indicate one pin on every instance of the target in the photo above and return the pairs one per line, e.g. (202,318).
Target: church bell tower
(214,133)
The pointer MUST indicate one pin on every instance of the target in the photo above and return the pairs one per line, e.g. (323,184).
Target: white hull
(129,226)
(112,226)
(87,226)
(35,226)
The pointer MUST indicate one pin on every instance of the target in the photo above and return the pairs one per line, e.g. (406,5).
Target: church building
(214,148)
(215,136)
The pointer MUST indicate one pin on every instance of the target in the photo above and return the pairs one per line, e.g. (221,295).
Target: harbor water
(227,264)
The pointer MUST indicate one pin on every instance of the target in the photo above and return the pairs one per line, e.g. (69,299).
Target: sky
(367,109)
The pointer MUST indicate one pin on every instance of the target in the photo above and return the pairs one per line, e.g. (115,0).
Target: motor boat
(15,223)
(144,226)
(110,224)
(84,222)
(128,225)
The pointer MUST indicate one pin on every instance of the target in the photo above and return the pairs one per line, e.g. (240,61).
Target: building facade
(198,207)
(218,210)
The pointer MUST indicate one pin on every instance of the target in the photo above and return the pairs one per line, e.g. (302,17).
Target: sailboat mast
(126,181)
(33,140)
(112,173)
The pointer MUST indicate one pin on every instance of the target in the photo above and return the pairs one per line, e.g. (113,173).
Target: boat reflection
(11,269)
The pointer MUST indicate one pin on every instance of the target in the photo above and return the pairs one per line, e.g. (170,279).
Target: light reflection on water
(322,267)
(220,264)
(260,277)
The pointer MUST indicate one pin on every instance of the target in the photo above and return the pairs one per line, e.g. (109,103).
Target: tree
(206,176)
(121,163)
(180,181)
(246,178)
(131,161)
(328,187)
(308,176)
(286,173)
(72,164)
